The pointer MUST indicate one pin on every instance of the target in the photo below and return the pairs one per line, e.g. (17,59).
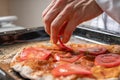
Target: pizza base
(27,72)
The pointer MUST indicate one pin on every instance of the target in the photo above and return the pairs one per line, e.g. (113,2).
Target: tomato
(85,62)
(108,60)
(69,69)
(93,50)
(63,46)
(68,57)
(34,53)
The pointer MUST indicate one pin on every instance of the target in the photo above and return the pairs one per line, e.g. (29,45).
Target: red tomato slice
(69,69)
(93,50)
(34,53)
(63,46)
(59,39)
(68,57)
(108,60)
(85,62)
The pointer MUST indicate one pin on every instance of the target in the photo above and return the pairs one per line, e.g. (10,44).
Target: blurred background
(28,13)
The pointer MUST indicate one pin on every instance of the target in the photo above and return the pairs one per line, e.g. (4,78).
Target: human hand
(68,14)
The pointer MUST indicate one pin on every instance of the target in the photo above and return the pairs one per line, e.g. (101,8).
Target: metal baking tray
(23,35)
(12,40)
(38,34)
(97,35)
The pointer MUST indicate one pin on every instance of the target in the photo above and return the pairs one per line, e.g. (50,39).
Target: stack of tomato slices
(102,58)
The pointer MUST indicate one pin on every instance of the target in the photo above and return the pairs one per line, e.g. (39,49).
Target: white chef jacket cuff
(111,7)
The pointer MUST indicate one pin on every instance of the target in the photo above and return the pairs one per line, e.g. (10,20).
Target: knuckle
(46,20)
(54,26)
(69,7)
(61,16)
(55,10)
(60,1)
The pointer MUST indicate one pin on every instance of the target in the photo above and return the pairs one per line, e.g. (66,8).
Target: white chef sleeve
(111,7)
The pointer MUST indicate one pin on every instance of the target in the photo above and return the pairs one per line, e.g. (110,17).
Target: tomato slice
(68,57)
(108,60)
(93,50)
(63,46)
(69,69)
(34,53)
(85,62)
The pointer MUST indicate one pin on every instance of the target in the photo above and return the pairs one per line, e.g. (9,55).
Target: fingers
(46,19)
(48,8)
(56,31)
(68,32)
(73,12)
(59,22)
(49,18)
(52,13)
(71,26)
